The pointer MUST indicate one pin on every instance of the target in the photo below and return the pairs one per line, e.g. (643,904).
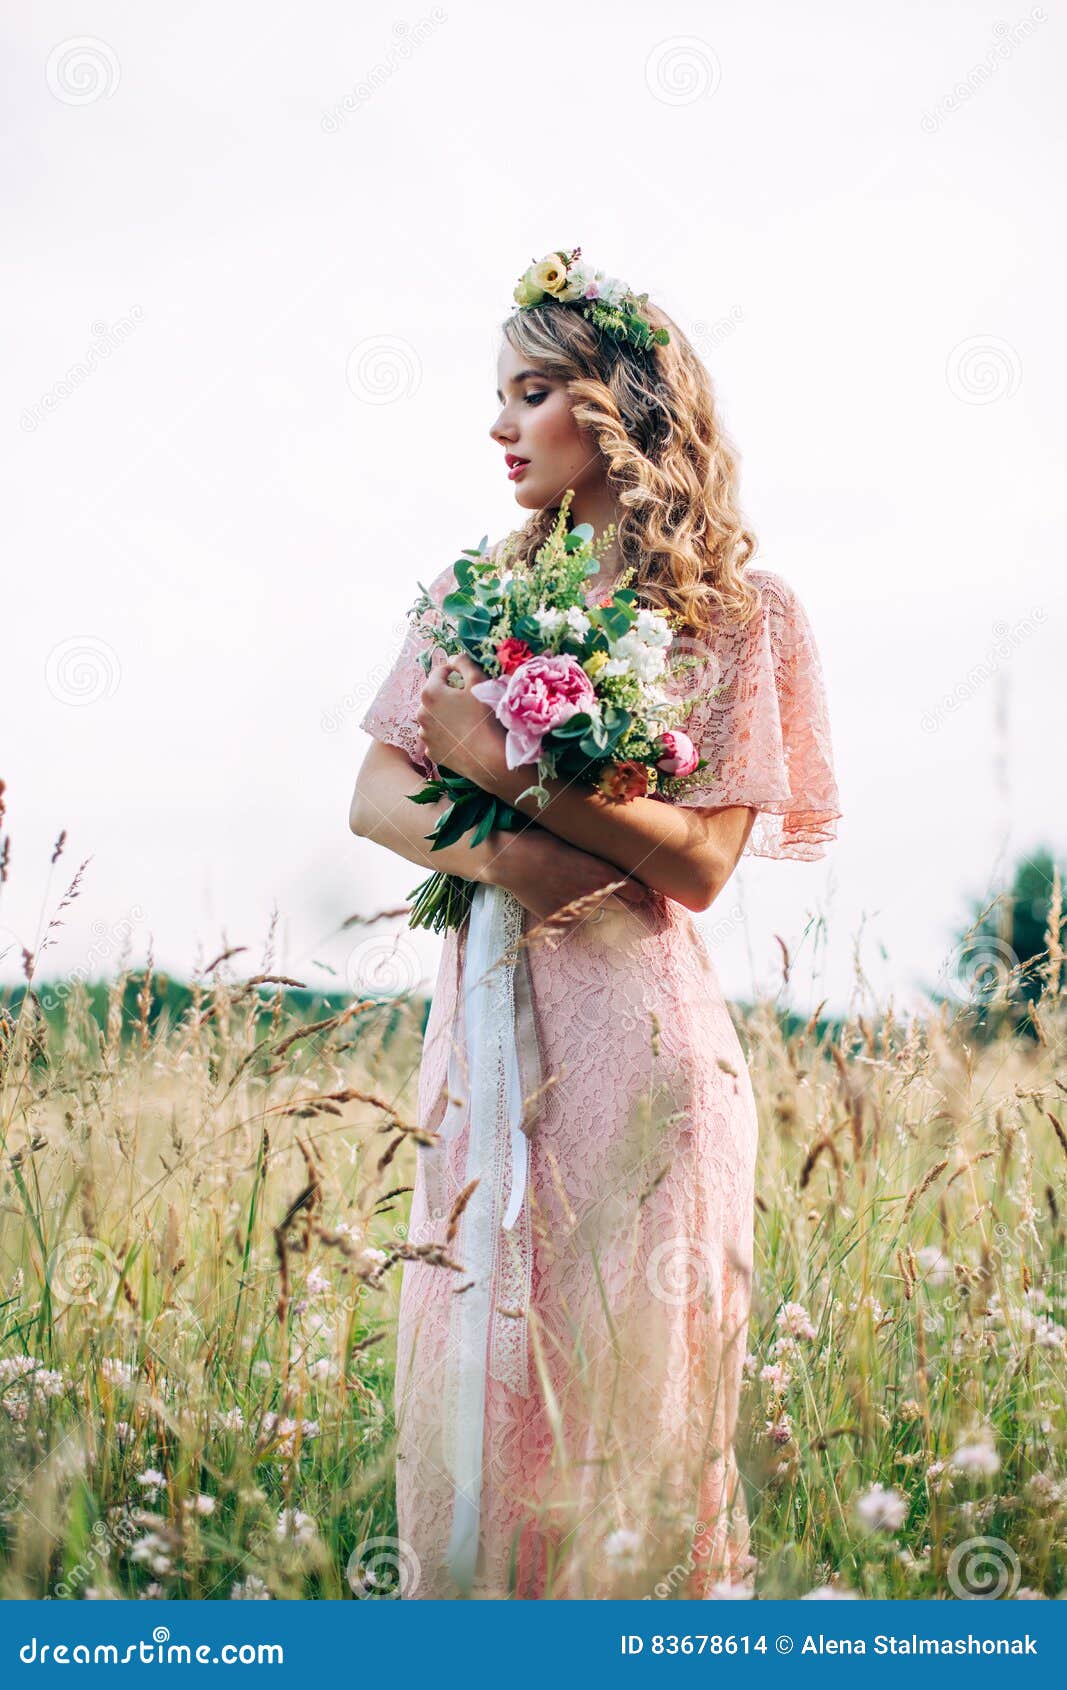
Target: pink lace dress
(611,1393)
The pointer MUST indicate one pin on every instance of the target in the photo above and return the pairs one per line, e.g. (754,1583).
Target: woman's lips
(516,469)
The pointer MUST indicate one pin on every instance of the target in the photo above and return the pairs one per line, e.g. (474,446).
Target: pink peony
(541,694)
(679,755)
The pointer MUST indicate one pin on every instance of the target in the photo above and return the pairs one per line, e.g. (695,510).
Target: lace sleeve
(391,714)
(760,718)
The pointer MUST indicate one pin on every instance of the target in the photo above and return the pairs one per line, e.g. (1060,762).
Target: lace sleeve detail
(760,718)
(391,714)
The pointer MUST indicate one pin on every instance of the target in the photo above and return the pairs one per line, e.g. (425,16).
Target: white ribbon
(494,1022)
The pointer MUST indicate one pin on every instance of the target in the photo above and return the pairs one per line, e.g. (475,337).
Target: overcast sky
(255,266)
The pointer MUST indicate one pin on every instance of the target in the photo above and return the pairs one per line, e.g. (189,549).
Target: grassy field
(202,1233)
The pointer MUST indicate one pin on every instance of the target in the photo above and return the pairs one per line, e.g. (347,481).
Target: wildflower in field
(1046,1333)
(786,1349)
(623,1547)
(201,1504)
(153,1481)
(795,1319)
(285,1430)
(935,1265)
(882,1510)
(781,1430)
(151,1592)
(913,1564)
(910,1409)
(316,1284)
(830,1593)
(124,1432)
(727,1591)
(750,1364)
(153,1551)
(296,1527)
(1025,1594)
(231,1421)
(776,1375)
(118,1372)
(325,1370)
(250,1589)
(977,1459)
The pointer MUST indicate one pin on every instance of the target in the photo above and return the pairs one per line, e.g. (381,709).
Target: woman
(601,1430)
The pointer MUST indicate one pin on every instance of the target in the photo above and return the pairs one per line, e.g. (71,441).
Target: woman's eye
(536,398)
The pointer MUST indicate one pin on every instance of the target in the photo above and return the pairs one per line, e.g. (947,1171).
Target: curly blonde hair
(669,464)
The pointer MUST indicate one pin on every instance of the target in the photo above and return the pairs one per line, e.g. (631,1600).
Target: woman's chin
(527,497)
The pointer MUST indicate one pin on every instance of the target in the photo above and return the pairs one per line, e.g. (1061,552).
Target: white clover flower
(978,1459)
(936,1266)
(316,1282)
(882,1510)
(795,1319)
(251,1589)
(153,1478)
(296,1527)
(622,1545)
(775,1374)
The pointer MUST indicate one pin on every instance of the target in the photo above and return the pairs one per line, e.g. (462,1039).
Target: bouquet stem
(441,902)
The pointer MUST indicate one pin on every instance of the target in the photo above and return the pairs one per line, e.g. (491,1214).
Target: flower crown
(606,301)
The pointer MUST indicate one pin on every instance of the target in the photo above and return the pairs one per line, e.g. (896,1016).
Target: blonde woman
(580,1444)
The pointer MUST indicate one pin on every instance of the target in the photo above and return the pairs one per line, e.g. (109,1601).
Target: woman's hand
(545,873)
(459,731)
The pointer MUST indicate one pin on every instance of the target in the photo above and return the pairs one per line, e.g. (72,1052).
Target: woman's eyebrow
(522,375)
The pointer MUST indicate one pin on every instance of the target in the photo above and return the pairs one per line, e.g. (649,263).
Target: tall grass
(203,1228)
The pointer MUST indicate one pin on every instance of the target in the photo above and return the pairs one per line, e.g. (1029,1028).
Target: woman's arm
(381,810)
(686,853)
(545,873)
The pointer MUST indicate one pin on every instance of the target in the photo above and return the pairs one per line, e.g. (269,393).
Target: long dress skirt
(607,1445)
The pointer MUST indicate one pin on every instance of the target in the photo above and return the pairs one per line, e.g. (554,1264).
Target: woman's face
(536,424)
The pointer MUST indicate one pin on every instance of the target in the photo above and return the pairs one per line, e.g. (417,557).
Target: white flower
(153,1478)
(296,1527)
(251,1589)
(651,627)
(631,653)
(622,1545)
(936,1266)
(830,1593)
(153,1551)
(882,1510)
(979,1459)
(205,1504)
(612,290)
(725,1591)
(316,1282)
(579,277)
(548,621)
(578,622)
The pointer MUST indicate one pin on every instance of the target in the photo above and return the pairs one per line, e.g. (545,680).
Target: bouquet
(577,690)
